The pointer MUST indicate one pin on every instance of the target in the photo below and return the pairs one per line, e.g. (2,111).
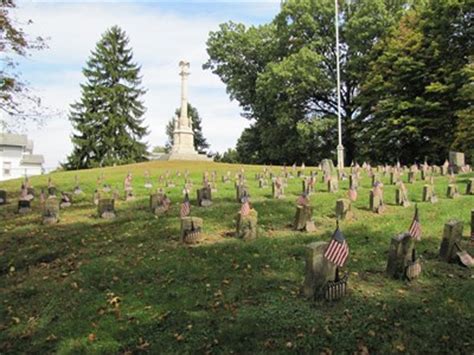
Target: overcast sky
(161,34)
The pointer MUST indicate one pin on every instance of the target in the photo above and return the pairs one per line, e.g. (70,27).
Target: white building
(17,158)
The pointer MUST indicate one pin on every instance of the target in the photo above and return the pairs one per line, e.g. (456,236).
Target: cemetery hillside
(235,274)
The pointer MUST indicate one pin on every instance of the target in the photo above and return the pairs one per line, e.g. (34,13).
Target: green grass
(224,295)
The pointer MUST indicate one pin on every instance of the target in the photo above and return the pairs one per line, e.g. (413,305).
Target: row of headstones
(322,279)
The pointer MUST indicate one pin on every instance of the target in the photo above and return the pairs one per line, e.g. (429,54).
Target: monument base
(185,156)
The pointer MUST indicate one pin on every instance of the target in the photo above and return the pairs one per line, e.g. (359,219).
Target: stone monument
(183,135)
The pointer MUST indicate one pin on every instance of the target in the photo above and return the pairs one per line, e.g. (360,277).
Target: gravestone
(450,244)
(429,194)
(353,181)
(247,225)
(304,219)
(452,191)
(402,260)
(191,228)
(204,198)
(456,161)
(411,177)
(155,201)
(343,209)
(52,191)
(277,189)
(327,166)
(445,168)
(401,196)
(308,185)
(472,226)
(394,177)
(262,183)
(31,192)
(66,200)
(24,206)
(470,187)
(333,185)
(106,208)
(240,192)
(376,202)
(319,272)
(51,211)
(3,197)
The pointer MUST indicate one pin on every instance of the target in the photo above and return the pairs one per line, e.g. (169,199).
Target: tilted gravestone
(106,208)
(450,244)
(429,194)
(24,206)
(402,260)
(452,191)
(51,211)
(470,187)
(191,229)
(304,219)
(204,197)
(333,184)
(3,197)
(343,209)
(246,228)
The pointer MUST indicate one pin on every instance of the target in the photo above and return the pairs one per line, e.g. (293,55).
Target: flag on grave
(185,207)
(415,227)
(302,200)
(245,208)
(338,249)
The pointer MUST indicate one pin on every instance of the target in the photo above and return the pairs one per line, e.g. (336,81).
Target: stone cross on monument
(183,135)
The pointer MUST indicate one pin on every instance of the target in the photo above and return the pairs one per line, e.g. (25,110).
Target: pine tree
(108,119)
(200,143)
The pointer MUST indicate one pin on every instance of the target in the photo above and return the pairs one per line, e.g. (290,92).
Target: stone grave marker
(3,197)
(204,197)
(304,215)
(96,197)
(51,211)
(241,191)
(376,200)
(429,194)
(472,226)
(452,191)
(277,188)
(450,244)
(333,184)
(445,168)
(247,219)
(343,209)
(24,206)
(353,181)
(401,195)
(456,161)
(402,260)
(322,280)
(66,200)
(411,177)
(470,187)
(106,208)
(191,229)
(52,191)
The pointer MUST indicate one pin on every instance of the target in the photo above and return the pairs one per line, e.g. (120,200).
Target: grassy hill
(127,285)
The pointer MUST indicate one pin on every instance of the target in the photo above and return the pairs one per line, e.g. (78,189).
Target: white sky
(161,34)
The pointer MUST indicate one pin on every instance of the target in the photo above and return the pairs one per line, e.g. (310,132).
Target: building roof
(32,159)
(16,140)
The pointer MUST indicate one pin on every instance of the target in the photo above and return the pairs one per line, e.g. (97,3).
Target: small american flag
(302,200)
(185,207)
(245,208)
(415,228)
(338,250)
(352,194)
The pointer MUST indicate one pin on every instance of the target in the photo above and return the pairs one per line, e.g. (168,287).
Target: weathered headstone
(452,191)
(277,189)
(411,177)
(191,229)
(470,187)
(333,184)
(24,206)
(106,208)
(376,201)
(343,209)
(456,161)
(247,225)
(66,200)
(450,244)
(304,219)
(429,194)
(52,191)
(401,196)
(402,260)
(353,181)
(3,197)
(155,201)
(204,197)
(240,192)
(51,211)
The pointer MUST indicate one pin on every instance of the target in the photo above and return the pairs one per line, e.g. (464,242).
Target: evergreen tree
(108,119)
(200,143)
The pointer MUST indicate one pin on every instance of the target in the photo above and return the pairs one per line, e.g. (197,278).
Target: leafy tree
(412,96)
(16,100)
(283,73)
(108,118)
(200,143)
(230,156)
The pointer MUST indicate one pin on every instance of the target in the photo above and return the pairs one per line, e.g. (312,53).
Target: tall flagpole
(340,148)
